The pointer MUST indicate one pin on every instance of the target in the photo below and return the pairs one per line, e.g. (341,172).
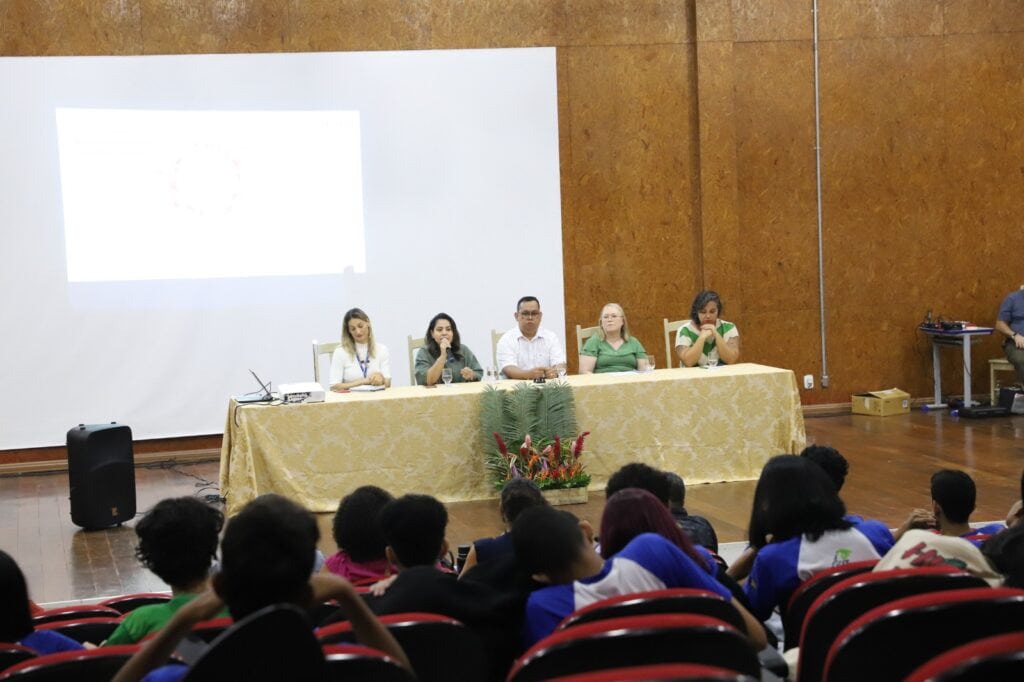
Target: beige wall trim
(178,457)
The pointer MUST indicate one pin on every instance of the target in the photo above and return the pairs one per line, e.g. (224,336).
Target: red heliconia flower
(501,444)
(577,447)
(558,447)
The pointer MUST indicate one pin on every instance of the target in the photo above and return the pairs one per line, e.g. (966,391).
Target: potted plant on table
(539,421)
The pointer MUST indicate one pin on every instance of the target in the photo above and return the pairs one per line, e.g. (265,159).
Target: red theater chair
(357,662)
(76,612)
(127,603)
(87,665)
(637,640)
(848,599)
(893,640)
(675,600)
(993,658)
(809,590)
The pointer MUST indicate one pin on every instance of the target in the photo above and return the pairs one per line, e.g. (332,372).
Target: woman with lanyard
(359,360)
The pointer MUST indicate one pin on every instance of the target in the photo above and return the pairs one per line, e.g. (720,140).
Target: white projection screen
(169,222)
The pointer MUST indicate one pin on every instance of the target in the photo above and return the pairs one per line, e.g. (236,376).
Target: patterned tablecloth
(707,425)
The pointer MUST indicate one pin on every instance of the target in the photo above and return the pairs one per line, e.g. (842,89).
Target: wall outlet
(808,381)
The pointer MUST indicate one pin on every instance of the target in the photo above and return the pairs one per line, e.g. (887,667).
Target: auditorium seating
(675,600)
(77,612)
(664,671)
(993,658)
(274,643)
(892,640)
(438,647)
(637,640)
(357,662)
(11,653)
(86,665)
(811,589)
(93,630)
(127,603)
(850,598)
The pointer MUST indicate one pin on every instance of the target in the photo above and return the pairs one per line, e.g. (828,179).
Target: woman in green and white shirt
(611,349)
(706,340)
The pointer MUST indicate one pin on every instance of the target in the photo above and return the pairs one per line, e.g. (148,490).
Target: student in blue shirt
(557,549)
(798,527)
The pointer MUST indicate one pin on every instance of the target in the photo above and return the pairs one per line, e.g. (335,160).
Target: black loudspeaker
(101,471)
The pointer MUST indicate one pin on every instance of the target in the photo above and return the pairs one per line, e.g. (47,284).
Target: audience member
(705,339)
(924,549)
(443,350)
(698,528)
(359,360)
(559,550)
(16,614)
(835,465)
(953,498)
(1005,551)
(414,529)
(267,554)
(516,495)
(797,527)
(612,348)
(357,532)
(178,542)
(529,351)
(639,475)
(632,512)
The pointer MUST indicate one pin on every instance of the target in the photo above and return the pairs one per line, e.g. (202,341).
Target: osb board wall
(687,148)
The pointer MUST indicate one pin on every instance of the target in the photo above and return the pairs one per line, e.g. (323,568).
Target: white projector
(305,392)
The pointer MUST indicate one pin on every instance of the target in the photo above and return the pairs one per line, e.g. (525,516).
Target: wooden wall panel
(686,141)
(776,204)
(629,189)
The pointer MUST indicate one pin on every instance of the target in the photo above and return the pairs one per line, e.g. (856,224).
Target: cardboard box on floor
(881,403)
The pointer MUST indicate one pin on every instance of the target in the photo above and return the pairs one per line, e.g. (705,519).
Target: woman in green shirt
(611,349)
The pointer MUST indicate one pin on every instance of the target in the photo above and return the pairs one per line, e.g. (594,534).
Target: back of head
(267,555)
(632,511)
(356,526)
(1006,552)
(794,496)
(518,495)
(638,475)
(414,526)
(676,489)
(15,613)
(178,540)
(547,540)
(954,491)
(830,460)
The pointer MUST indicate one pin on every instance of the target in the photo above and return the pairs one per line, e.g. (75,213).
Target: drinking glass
(641,363)
(561,367)
(650,363)
(446,375)
(712,363)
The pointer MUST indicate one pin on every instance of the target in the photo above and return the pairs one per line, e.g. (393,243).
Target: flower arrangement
(510,416)
(557,464)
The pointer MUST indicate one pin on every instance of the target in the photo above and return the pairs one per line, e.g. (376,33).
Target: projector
(305,392)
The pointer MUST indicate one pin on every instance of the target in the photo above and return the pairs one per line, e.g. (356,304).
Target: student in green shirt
(611,349)
(177,542)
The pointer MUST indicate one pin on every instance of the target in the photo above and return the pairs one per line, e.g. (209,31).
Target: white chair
(496,335)
(670,341)
(582,334)
(321,349)
(415,343)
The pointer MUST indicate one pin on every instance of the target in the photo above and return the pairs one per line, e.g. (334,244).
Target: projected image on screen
(165,195)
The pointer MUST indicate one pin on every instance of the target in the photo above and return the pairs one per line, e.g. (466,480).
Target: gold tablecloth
(707,425)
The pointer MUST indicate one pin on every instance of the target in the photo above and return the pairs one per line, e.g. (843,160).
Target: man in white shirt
(529,351)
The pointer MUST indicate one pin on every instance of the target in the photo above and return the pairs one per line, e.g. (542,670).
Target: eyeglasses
(529,314)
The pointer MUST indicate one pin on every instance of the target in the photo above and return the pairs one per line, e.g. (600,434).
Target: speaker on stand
(101,473)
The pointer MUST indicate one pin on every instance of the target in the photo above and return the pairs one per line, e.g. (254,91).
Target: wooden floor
(891,460)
